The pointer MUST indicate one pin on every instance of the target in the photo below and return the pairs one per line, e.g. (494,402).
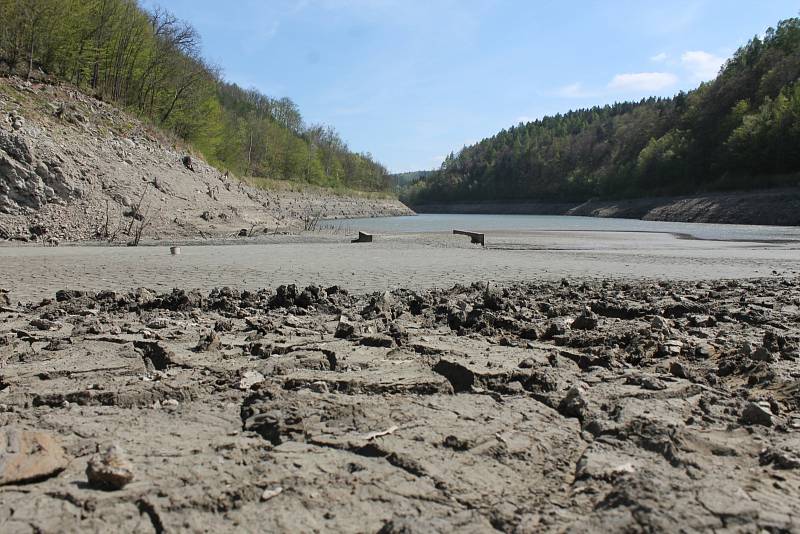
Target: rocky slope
(571,407)
(767,207)
(75,168)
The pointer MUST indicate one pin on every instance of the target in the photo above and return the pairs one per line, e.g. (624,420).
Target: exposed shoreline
(529,407)
(105,175)
(770,207)
(418,260)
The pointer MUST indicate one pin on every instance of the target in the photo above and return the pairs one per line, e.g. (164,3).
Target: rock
(646,382)
(305,299)
(377,340)
(180,300)
(250,379)
(44,324)
(660,323)
(775,342)
(284,296)
(531,333)
(159,323)
(398,333)
(271,493)
(757,413)
(382,304)
(762,354)
(110,470)
(493,299)
(223,325)
(701,320)
(156,357)
(671,347)
(319,386)
(653,384)
(574,403)
(779,459)
(209,341)
(705,351)
(527,363)
(456,318)
(585,321)
(746,349)
(142,296)
(344,328)
(677,369)
(65,295)
(28,456)
(554,329)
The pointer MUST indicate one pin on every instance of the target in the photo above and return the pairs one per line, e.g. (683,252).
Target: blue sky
(412,80)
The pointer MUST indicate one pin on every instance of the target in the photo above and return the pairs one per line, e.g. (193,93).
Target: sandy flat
(409,260)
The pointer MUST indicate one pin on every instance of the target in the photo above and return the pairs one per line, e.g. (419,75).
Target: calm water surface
(489,223)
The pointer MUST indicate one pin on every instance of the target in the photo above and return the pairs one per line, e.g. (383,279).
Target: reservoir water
(523,223)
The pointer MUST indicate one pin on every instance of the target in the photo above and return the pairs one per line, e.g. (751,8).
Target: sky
(409,81)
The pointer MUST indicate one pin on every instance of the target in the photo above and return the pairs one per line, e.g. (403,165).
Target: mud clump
(110,470)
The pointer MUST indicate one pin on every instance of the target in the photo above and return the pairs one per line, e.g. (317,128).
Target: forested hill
(403,179)
(149,62)
(740,131)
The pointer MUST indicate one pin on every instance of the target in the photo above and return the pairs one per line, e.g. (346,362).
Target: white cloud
(660,58)
(642,81)
(574,90)
(702,66)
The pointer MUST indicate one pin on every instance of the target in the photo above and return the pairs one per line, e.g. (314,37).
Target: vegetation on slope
(403,179)
(150,63)
(740,131)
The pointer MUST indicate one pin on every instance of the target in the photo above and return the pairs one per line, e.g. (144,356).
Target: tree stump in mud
(363,237)
(475,237)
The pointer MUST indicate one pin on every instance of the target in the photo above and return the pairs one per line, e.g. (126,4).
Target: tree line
(149,62)
(739,131)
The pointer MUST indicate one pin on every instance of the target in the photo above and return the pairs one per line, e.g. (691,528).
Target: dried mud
(548,407)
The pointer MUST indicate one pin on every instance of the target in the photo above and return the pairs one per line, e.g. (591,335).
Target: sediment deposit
(537,407)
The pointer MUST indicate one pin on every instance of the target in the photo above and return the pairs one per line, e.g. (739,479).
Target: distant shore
(774,207)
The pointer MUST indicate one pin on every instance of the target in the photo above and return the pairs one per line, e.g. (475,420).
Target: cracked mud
(548,407)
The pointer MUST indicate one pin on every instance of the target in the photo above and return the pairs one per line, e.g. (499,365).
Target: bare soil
(73,168)
(539,407)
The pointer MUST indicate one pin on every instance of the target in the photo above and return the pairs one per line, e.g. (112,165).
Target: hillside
(75,168)
(738,132)
(149,63)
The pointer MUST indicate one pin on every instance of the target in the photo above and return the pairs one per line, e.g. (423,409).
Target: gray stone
(757,413)
(110,470)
